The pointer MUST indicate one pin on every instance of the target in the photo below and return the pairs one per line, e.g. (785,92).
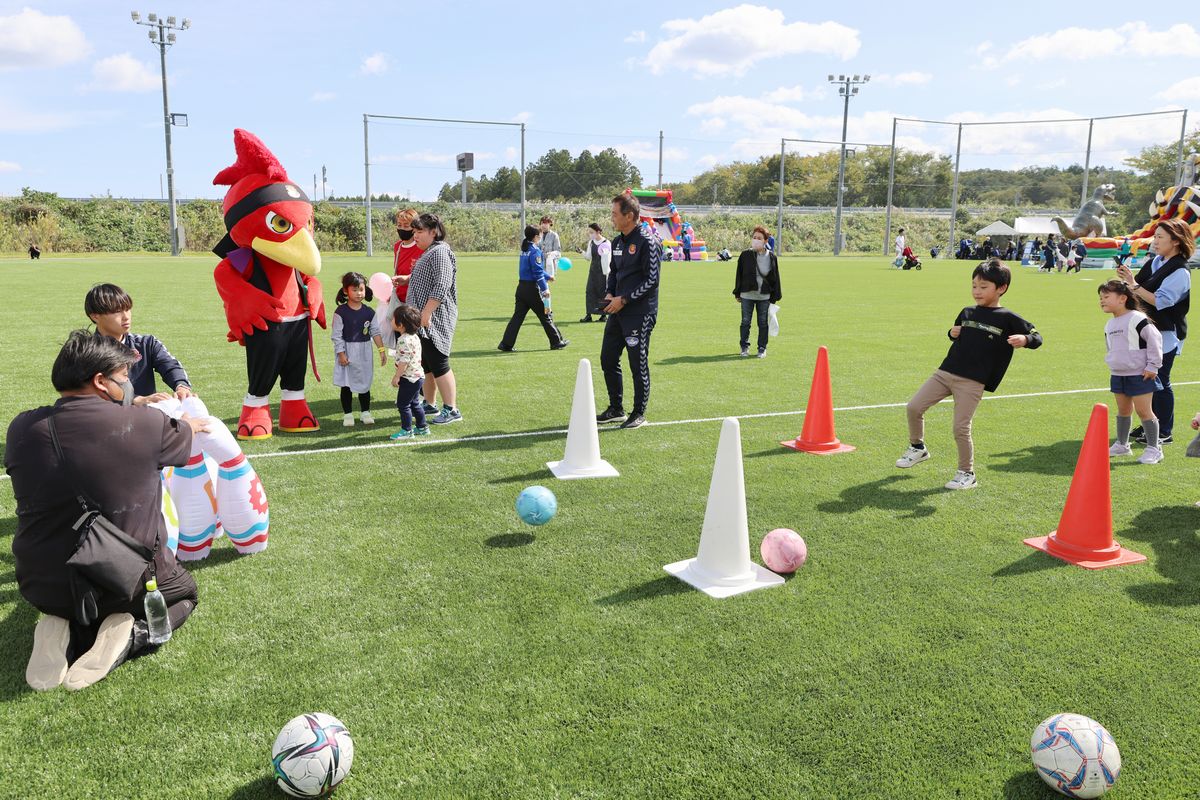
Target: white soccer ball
(312,754)
(1076,756)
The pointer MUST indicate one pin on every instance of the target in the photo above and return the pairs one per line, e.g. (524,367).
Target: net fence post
(1087,163)
(367,189)
(954,196)
(1179,158)
(887,232)
(779,214)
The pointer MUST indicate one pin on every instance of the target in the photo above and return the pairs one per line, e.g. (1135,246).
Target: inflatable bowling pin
(241,500)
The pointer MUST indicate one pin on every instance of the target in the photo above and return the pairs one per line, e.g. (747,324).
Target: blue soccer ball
(536,505)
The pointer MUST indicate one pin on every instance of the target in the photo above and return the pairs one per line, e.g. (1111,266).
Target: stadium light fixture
(848,87)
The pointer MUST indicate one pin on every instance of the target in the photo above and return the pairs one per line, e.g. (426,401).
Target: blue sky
(81,113)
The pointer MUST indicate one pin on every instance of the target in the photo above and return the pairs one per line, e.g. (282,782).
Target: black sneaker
(1165,439)
(588,318)
(502,349)
(1138,434)
(635,420)
(610,414)
(560,345)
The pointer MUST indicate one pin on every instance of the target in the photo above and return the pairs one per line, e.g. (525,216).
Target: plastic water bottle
(546,301)
(156,614)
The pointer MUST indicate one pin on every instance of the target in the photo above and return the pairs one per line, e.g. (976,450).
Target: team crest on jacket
(632,249)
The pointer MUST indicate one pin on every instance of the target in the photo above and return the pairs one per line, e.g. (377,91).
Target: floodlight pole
(779,215)
(954,196)
(160,38)
(1087,163)
(522,178)
(848,85)
(887,232)
(367,170)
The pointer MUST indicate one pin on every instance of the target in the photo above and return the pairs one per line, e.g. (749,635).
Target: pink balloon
(783,550)
(381,285)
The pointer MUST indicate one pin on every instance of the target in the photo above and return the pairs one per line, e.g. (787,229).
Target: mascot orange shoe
(267,281)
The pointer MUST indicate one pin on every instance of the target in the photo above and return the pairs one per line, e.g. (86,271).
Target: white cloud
(511,154)
(374,64)
(731,41)
(1131,40)
(1186,89)
(32,39)
(322,97)
(637,37)
(124,73)
(642,151)
(708,160)
(913,78)
(9,166)
(523,116)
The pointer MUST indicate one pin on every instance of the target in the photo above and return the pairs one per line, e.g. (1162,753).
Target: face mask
(403,234)
(757,244)
(127,393)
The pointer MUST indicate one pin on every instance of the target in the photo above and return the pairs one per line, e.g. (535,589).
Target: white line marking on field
(562,431)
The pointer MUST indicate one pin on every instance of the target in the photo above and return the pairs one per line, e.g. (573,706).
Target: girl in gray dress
(355,334)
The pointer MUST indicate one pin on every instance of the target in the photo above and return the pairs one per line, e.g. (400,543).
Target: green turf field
(472,656)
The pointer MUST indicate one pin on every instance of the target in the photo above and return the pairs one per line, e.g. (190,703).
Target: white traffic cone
(722,566)
(582,456)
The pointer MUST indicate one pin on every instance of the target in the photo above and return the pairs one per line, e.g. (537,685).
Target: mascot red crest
(267,281)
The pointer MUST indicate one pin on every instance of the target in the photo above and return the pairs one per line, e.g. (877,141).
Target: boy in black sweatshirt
(984,337)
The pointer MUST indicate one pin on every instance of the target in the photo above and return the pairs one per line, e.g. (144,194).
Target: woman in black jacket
(756,286)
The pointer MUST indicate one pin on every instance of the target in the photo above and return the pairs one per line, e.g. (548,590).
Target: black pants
(687,252)
(637,345)
(529,298)
(178,589)
(1164,399)
(748,309)
(278,352)
(594,294)
(408,402)
(364,400)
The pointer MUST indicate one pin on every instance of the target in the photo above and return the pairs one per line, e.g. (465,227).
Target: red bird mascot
(266,280)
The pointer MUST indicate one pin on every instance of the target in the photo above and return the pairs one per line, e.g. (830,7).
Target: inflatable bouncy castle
(660,216)
(1178,202)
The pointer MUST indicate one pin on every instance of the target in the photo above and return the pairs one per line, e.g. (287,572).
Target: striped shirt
(434,277)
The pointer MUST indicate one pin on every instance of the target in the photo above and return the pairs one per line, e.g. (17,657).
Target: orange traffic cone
(1084,535)
(818,435)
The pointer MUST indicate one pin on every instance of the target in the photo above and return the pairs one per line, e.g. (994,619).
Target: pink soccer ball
(783,550)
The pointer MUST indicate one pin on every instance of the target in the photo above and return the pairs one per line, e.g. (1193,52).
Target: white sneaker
(913,455)
(348,420)
(962,480)
(367,419)
(1151,455)
(1119,449)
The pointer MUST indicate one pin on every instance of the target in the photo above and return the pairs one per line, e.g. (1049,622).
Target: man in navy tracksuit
(631,302)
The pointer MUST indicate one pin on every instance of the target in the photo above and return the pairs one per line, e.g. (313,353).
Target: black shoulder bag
(107,561)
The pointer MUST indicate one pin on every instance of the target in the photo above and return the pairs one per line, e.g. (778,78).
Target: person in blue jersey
(533,294)
(631,301)
(111,309)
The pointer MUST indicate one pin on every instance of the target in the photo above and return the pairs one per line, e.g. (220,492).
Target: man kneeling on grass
(111,456)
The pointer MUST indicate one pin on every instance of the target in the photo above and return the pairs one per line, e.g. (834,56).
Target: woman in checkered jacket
(432,290)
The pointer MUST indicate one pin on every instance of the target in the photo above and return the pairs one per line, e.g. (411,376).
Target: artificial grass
(472,656)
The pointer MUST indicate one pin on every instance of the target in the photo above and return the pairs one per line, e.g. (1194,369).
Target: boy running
(984,338)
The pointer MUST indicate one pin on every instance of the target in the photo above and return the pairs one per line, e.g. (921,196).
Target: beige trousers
(967,394)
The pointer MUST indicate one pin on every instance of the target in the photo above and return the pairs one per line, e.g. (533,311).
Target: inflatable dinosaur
(1090,219)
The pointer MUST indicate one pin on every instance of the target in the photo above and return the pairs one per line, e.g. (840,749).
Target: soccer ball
(312,754)
(783,550)
(1075,755)
(536,505)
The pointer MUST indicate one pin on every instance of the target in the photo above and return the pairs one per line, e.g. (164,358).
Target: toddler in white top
(1134,357)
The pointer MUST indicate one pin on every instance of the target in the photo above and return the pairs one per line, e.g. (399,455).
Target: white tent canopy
(1035,226)
(997,228)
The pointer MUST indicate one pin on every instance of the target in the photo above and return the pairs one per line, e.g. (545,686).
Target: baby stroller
(910,259)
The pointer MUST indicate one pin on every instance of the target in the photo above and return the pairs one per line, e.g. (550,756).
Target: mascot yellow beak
(300,251)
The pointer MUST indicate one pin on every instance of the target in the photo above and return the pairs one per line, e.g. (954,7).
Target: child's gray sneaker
(1151,455)
(1119,449)
(447,415)
(913,455)
(962,480)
